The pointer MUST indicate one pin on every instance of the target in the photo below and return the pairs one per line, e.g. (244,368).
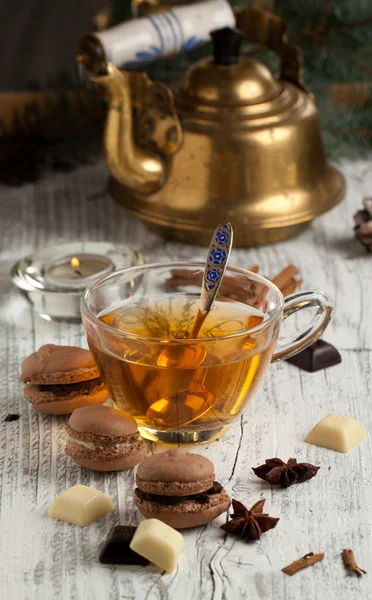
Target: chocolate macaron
(104,439)
(62,378)
(179,488)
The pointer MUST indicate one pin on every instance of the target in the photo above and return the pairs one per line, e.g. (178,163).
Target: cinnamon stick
(303,563)
(260,296)
(285,281)
(254,269)
(348,559)
(238,288)
(291,287)
(285,276)
(234,288)
(184,276)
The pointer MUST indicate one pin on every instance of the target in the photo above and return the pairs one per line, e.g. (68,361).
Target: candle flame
(75,262)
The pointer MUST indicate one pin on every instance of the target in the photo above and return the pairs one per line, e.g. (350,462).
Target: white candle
(76,272)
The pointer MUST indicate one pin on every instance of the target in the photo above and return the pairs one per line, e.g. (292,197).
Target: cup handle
(292,304)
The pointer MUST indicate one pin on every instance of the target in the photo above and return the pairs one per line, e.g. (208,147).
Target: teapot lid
(228,80)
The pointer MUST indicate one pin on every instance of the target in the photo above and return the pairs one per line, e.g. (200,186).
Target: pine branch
(337,52)
(358,22)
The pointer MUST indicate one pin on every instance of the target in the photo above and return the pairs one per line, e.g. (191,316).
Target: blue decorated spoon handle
(218,256)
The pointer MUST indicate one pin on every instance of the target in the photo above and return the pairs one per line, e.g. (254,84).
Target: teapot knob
(226,45)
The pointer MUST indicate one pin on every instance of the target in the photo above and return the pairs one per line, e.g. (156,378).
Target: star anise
(249,524)
(277,472)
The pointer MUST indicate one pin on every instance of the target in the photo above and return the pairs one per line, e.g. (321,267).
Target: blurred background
(51,119)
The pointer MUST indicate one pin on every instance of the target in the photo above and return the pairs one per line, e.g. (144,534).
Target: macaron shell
(187,514)
(59,364)
(174,488)
(114,459)
(61,378)
(103,421)
(175,464)
(65,406)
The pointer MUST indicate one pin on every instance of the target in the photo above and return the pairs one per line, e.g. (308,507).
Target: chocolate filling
(202,498)
(65,389)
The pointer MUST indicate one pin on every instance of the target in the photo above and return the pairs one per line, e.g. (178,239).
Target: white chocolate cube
(159,543)
(80,505)
(337,433)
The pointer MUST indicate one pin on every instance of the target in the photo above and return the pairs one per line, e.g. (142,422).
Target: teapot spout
(139,170)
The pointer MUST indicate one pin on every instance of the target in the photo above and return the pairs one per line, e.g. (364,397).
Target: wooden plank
(40,558)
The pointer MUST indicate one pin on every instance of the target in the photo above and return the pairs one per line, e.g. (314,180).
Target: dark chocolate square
(316,357)
(116,550)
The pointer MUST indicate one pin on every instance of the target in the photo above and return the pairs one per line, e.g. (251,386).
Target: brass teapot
(228,142)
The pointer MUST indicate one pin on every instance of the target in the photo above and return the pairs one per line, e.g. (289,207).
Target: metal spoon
(215,267)
(218,256)
(189,404)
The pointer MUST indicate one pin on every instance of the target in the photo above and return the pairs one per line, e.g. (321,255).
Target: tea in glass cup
(182,390)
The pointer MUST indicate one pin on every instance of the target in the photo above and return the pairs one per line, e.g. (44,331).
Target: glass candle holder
(54,278)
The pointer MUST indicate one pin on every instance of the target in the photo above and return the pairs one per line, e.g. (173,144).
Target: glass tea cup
(183,390)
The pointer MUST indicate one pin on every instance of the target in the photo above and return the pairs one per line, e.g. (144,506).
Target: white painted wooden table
(44,559)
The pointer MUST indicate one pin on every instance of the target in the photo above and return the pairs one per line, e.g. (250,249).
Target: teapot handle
(270,31)
(157,126)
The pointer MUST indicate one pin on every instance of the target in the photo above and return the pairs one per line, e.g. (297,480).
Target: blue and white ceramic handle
(182,28)
(218,256)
